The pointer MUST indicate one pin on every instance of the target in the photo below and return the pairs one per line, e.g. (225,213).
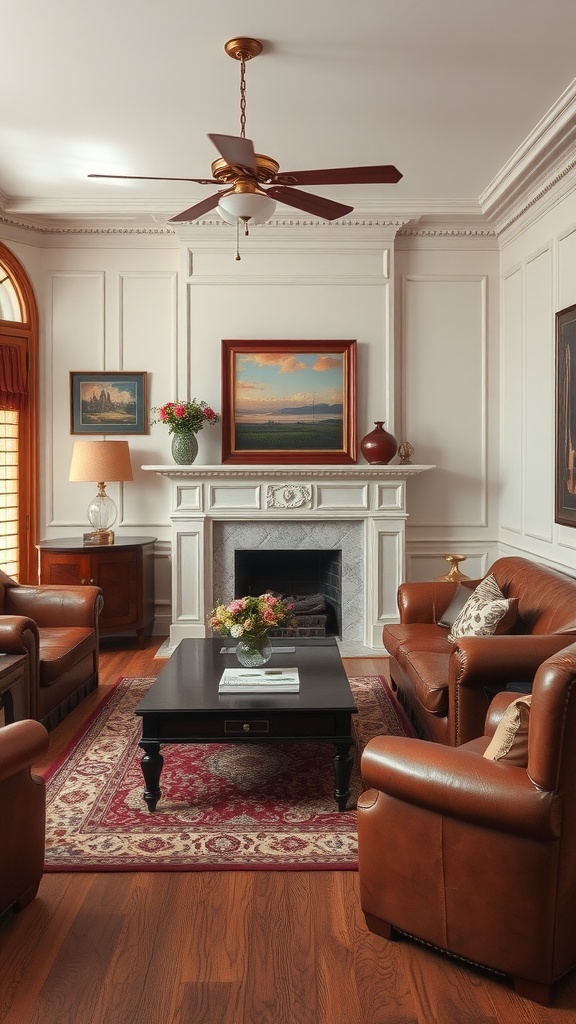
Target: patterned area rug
(223,806)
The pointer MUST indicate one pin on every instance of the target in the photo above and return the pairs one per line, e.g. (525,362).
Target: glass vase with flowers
(184,420)
(249,620)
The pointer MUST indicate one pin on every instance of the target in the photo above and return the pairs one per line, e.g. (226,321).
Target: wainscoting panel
(444,347)
(511,434)
(76,323)
(539,395)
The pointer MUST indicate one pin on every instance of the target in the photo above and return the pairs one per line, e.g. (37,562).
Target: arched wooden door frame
(25,334)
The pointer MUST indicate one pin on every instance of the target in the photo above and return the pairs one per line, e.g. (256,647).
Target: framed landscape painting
(289,402)
(565,507)
(108,403)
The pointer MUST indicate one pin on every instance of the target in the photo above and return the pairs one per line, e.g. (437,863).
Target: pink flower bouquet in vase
(184,420)
(249,620)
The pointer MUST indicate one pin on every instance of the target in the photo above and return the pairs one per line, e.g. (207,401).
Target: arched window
(18,420)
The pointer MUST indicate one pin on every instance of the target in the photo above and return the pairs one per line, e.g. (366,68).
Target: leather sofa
(22,813)
(57,627)
(446,686)
(474,856)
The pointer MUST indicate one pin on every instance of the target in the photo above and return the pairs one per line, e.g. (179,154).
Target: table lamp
(101,461)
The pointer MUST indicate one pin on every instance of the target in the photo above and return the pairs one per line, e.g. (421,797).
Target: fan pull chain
(242,98)
(237,256)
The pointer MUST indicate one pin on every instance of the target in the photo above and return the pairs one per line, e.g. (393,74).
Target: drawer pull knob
(238,725)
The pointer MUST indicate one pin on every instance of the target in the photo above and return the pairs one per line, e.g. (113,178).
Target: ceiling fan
(244,172)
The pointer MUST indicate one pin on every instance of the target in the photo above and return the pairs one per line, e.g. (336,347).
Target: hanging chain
(242,98)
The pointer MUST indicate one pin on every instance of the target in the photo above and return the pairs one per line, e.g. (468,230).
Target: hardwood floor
(229,947)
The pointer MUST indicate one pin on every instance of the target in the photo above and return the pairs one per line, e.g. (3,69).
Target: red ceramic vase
(379,446)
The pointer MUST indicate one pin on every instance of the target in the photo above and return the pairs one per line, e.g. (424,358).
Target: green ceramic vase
(184,447)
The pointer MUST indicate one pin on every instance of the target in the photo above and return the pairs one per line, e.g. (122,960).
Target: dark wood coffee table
(184,706)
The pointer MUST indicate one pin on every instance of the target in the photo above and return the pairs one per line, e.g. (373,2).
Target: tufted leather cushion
(403,638)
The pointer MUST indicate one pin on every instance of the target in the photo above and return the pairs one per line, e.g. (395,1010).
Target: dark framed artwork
(289,402)
(108,403)
(565,476)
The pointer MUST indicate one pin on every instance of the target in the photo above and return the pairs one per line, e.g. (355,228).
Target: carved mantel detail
(288,496)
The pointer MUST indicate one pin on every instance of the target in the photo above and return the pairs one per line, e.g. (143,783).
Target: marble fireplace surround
(360,510)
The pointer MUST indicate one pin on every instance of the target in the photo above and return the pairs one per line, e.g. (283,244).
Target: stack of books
(259,680)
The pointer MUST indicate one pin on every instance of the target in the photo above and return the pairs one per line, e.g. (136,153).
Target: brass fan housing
(267,168)
(244,186)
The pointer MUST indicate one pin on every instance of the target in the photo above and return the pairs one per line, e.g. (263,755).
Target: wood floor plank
(216,946)
(142,972)
(279,973)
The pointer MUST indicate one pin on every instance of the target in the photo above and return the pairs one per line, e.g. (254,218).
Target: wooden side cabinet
(124,571)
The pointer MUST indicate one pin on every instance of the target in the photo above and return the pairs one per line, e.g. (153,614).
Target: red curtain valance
(13,386)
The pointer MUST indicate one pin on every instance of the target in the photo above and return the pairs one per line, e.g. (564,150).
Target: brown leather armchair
(478,857)
(58,628)
(22,813)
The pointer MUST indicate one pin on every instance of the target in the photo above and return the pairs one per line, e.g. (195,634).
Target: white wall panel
(511,437)
(75,340)
(566,289)
(148,318)
(146,340)
(444,372)
(539,395)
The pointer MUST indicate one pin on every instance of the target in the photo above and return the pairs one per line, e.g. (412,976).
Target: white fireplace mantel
(361,508)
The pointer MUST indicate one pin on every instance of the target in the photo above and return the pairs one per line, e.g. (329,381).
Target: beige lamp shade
(100,461)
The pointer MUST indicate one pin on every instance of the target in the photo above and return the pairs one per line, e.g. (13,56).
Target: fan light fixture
(100,461)
(245,207)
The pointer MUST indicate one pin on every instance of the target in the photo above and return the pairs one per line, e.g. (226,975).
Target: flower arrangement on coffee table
(249,620)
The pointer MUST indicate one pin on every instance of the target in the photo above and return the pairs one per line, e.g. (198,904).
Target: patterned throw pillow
(510,740)
(486,612)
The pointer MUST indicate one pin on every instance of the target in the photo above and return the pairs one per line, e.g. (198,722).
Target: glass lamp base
(98,537)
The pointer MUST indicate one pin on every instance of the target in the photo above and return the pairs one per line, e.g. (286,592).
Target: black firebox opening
(296,574)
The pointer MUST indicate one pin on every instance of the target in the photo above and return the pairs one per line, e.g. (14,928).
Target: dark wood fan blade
(196,211)
(148,177)
(238,153)
(385,175)
(325,208)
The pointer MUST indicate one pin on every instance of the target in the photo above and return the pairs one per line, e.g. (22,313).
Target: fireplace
(310,579)
(219,511)
(334,550)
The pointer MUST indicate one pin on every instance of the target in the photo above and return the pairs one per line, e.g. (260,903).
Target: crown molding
(545,161)
(75,217)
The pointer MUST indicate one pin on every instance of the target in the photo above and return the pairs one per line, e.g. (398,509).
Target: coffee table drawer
(181,727)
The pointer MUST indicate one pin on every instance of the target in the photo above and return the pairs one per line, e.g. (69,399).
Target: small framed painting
(565,474)
(108,403)
(289,402)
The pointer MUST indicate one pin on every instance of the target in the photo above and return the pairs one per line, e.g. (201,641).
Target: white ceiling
(444,90)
